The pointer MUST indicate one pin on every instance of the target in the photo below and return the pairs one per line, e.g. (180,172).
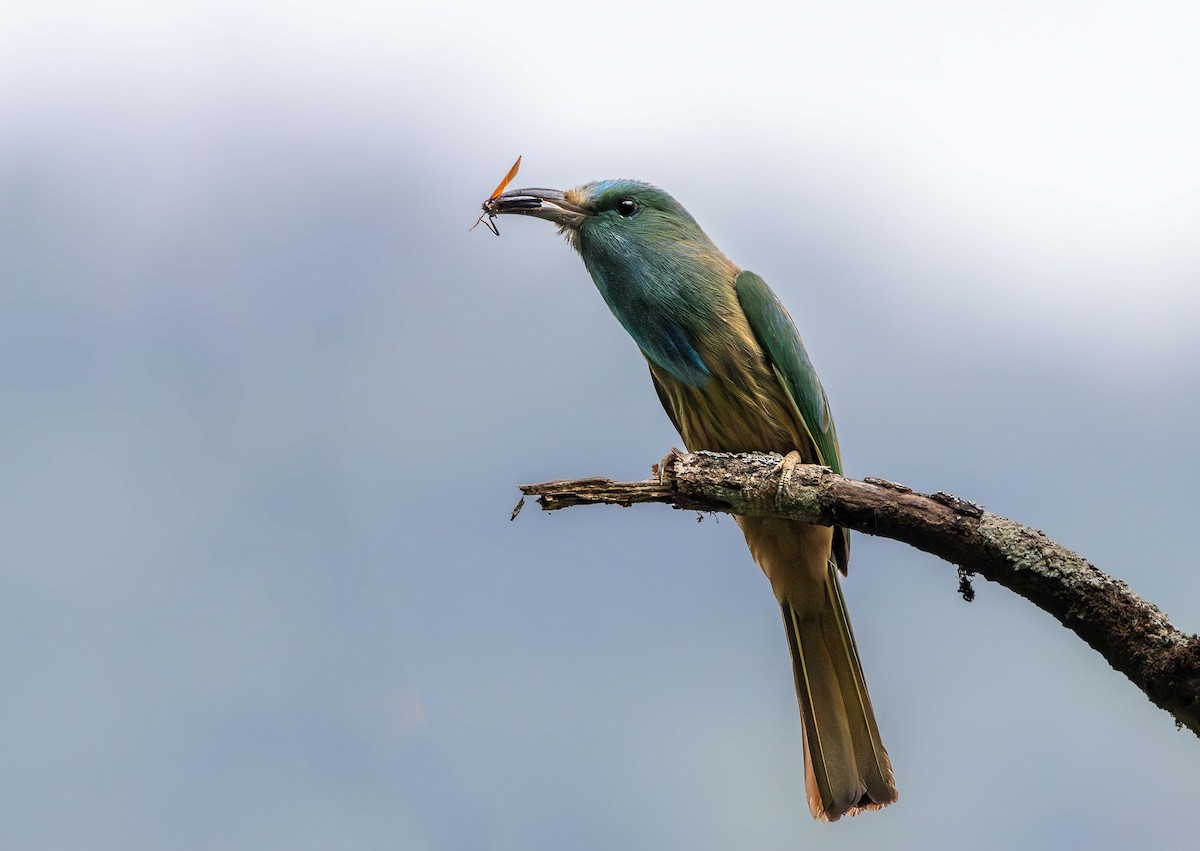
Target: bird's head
(659,273)
(610,218)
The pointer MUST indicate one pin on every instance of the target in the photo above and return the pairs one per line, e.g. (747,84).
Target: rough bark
(1133,635)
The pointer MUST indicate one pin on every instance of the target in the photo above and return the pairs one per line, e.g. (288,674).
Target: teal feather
(777,334)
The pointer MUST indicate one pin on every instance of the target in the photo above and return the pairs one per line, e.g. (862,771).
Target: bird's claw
(664,469)
(786,468)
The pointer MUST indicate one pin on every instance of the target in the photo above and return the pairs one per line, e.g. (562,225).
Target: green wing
(777,334)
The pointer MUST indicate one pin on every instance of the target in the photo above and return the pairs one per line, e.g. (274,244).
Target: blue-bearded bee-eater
(733,375)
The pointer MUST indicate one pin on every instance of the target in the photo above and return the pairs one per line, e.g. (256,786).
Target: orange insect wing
(512,172)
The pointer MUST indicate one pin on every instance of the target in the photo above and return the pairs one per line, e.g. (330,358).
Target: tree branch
(1133,636)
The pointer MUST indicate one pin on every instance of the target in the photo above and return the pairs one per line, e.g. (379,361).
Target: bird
(732,373)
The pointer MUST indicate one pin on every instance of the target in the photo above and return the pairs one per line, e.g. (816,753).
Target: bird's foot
(664,469)
(786,468)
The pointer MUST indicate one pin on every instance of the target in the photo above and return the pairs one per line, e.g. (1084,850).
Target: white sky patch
(1050,149)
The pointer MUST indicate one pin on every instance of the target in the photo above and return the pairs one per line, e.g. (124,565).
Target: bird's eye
(627,207)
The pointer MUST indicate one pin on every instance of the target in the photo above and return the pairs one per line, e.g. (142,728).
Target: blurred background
(266,401)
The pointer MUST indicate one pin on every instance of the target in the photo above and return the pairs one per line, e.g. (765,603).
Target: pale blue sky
(266,402)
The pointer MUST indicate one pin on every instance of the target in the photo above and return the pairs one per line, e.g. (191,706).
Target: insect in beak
(490,224)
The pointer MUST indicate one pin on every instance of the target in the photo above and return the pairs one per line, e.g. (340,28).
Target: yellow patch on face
(577,196)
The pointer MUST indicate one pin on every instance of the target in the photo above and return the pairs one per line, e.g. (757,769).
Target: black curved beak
(549,204)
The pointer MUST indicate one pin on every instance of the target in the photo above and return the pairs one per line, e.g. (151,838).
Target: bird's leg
(786,468)
(663,470)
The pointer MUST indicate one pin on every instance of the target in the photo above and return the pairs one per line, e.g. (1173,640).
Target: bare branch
(1134,636)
